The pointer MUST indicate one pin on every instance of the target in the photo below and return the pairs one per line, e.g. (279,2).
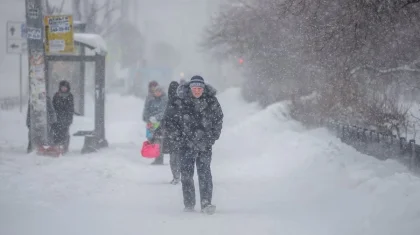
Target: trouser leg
(29,149)
(205,178)
(159,160)
(175,165)
(187,180)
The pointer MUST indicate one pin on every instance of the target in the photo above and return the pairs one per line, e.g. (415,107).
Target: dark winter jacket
(154,107)
(64,105)
(170,127)
(202,118)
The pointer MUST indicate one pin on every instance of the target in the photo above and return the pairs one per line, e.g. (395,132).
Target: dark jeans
(203,161)
(175,163)
(158,160)
(61,135)
(30,143)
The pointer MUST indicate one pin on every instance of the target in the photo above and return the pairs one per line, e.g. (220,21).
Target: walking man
(202,120)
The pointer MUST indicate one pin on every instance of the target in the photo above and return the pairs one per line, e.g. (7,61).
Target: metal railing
(9,103)
(382,146)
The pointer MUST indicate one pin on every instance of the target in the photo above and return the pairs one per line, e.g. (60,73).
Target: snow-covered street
(271,176)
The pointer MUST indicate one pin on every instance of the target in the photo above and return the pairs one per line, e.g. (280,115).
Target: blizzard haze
(271,176)
(271,173)
(180,24)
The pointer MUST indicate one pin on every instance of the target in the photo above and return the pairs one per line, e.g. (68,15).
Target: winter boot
(209,209)
(158,161)
(175,181)
(189,209)
(66,145)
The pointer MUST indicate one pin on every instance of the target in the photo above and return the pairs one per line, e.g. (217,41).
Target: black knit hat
(197,81)
(65,84)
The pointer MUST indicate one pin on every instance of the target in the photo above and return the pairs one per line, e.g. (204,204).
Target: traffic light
(241,61)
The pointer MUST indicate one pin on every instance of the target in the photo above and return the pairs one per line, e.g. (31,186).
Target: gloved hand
(201,146)
(153,119)
(210,139)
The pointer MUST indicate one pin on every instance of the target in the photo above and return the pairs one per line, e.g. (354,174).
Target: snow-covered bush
(354,54)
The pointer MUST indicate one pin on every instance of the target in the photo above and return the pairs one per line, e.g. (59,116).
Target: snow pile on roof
(93,40)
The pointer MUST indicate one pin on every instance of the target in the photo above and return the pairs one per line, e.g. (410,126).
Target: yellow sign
(59,34)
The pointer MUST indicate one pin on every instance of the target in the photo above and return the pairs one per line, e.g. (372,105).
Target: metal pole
(76,9)
(37,81)
(20,83)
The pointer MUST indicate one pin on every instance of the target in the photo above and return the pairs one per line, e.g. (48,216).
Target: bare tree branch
(409,2)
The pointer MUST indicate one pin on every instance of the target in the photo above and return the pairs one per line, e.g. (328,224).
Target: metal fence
(380,145)
(9,103)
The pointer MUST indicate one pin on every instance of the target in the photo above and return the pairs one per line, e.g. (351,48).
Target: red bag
(150,150)
(51,151)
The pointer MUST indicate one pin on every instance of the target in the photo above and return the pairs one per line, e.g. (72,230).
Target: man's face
(63,89)
(197,92)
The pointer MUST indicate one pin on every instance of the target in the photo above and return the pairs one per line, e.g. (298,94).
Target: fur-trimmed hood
(184,91)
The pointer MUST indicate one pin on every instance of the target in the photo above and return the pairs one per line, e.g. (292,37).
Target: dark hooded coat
(202,118)
(63,103)
(170,128)
(155,107)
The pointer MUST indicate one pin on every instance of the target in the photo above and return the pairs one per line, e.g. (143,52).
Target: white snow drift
(271,176)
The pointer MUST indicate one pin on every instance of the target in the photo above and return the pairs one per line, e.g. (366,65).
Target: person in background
(170,128)
(202,120)
(154,109)
(150,90)
(63,102)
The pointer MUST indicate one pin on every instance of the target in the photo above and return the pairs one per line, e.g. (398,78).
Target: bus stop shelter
(90,49)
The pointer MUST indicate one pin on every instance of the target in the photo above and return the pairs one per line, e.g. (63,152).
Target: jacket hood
(210,90)
(172,90)
(183,91)
(65,84)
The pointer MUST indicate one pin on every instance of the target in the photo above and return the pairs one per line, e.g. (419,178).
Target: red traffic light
(241,61)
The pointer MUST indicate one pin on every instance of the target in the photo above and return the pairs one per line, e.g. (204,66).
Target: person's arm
(55,101)
(146,110)
(159,116)
(163,123)
(71,108)
(217,120)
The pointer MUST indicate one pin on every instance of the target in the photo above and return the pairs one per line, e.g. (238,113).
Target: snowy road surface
(271,176)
